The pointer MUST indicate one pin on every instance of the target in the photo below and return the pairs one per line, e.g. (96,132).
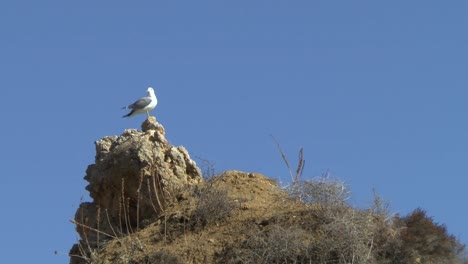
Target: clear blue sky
(375,92)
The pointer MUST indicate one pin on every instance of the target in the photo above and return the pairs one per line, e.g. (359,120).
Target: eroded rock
(134,176)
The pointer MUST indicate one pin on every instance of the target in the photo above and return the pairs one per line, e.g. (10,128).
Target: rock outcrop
(135,175)
(149,200)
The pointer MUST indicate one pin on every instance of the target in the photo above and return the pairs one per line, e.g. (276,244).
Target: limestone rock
(134,176)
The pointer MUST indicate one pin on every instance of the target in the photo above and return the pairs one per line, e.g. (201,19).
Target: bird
(143,105)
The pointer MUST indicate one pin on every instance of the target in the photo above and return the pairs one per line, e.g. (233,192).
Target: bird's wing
(140,103)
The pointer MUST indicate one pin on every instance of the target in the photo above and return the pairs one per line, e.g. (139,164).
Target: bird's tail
(129,114)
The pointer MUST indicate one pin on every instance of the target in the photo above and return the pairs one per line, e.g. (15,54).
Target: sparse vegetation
(212,204)
(323,191)
(207,167)
(316,226)
(161,257)
(274,244)
(243,218)
(334,232)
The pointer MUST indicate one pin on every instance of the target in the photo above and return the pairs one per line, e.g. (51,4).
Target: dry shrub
(274,244)
(213,204)
(341,234)
(207,167)
(345,235)
(386,241)
(323,191)
(160,257)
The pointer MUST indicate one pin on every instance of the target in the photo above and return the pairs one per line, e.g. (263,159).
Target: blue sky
(374,91)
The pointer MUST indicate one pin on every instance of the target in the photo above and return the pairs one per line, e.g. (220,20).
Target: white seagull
(143,105)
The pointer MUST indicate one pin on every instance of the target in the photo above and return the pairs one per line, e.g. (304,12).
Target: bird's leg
(147,113)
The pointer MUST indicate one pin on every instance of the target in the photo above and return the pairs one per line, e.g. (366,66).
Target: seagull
(143,105)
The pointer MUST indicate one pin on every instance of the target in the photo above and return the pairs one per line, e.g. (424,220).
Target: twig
(165,228)
(90,228)
(283,156)
(110,225)
(124,205)
(151,199)
(370,249)
(300,164)
(128,216)
(98,219)
(120,217)
(138,201)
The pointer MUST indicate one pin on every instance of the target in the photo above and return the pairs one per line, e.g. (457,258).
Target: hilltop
(151,204)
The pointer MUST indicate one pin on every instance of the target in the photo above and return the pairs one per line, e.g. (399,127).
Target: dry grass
(212,204)
(204,225)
